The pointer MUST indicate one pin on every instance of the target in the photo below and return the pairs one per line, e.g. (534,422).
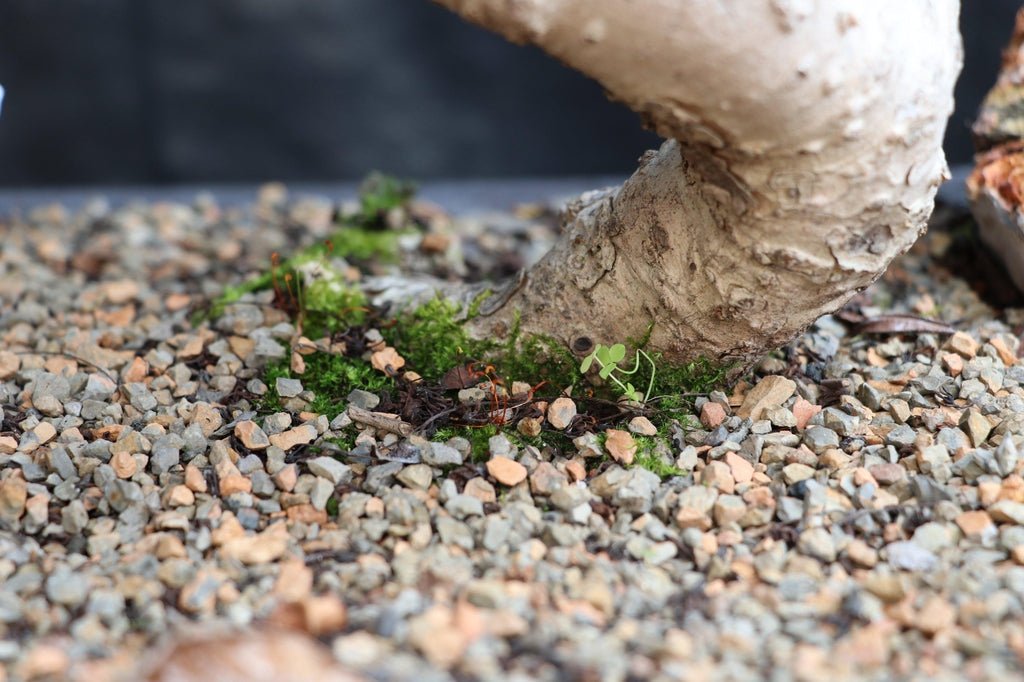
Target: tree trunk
(996,187)
(804,150)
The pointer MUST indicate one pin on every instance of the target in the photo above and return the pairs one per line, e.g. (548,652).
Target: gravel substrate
(855,511)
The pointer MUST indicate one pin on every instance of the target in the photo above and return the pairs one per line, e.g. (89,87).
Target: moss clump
(330,304)
(378,195)
(330,377)
(433,339)
(360,238)
(647,457)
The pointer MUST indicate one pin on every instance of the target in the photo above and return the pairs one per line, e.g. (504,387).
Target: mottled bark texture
(804,150)
(996,187)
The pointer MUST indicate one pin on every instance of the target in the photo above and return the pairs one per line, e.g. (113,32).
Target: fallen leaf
(902,324)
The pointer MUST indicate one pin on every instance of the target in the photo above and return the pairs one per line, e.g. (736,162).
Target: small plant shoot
(607,359)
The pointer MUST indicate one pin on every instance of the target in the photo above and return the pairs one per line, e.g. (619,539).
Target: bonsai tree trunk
(804,150)
(996,187)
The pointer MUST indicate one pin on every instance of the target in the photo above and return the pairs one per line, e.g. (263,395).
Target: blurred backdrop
(173,91)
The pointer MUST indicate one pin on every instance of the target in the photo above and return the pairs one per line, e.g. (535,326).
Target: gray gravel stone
(327,467)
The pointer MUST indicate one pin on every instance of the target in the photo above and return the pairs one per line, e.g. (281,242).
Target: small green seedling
(608,359)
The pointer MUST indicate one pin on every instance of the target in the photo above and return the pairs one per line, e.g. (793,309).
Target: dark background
(171,91)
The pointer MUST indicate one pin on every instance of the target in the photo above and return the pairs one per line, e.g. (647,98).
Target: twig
(379,421)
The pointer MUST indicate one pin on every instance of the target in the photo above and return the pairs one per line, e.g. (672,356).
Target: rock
(862,554)
(561,412)
(636,490)
(74,517)
(935,460)
(962,343)
(180,496)
(729,509)
(67,587)
(13,495)
(817,543)
(194,479)
(300,435)
(1006,456)
(434,634)
(417,476)
(124,465)
(718,475)
(331,469)
(712,415)
(251,435)
(819,439)
(500,446)
(1007,511)
(933,536)
(462,506)
(794,473)
(260,548)
(887,474)
(288,388)
(546,479)
(323,614)
(620,445)
(840,422)
(976,426)
(588,445)
(642,426)
(10,363)
(936,615)
(909,556)
(803,412)
(363,399)
(479,488)
(441,455)
(506,471)
(207,417)
(770,392)
(976,525)
(742,471)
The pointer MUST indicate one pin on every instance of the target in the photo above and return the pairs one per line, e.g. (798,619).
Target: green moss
(330,377)
(330,305)
(648,458)
(379,194)
(332,506)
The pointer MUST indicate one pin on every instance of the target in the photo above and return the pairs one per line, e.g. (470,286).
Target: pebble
(506,471)
(620,445)
(561,412)
(331,469)
(877,485)
(251,435)
(770,392)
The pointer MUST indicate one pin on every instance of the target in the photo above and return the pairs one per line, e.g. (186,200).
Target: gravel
(861,516)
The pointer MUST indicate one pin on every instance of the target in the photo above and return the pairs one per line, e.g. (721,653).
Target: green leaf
(617,352)
(603,355)
(606,371)
(587,361)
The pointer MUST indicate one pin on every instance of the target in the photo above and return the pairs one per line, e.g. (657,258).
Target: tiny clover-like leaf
(606,371)
(603,354)
(616,353)
(587,362)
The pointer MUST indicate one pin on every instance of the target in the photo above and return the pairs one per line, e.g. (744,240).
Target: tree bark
(804,150)
(996,187)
